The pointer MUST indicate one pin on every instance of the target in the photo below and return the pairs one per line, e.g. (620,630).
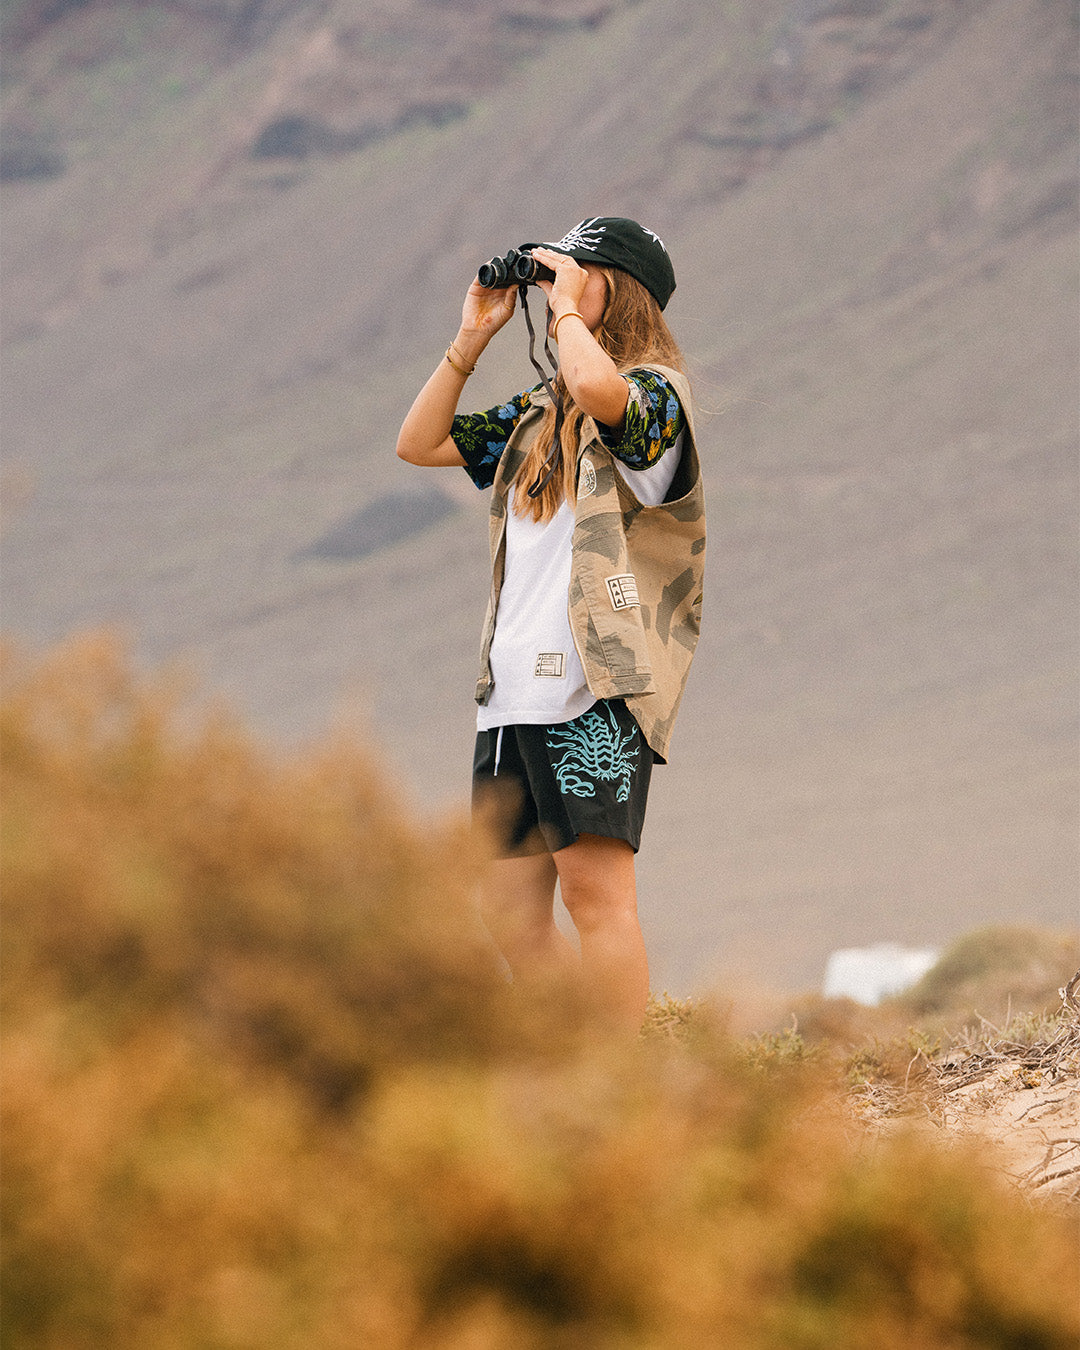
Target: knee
(594,906)
(596,879)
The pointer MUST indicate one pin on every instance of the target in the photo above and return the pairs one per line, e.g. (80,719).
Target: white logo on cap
(588,236)
(652,235)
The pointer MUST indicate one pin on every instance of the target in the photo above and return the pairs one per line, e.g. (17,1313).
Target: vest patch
(550,666)
(586,479)
(623,591)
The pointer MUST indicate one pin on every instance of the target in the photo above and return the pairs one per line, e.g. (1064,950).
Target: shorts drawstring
(498,752)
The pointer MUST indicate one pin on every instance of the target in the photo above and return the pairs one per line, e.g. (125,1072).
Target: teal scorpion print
(594,748)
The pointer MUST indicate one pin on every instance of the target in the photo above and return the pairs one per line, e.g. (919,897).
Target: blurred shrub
(1004,976)
(287,910)
(994,972)
(265,1086)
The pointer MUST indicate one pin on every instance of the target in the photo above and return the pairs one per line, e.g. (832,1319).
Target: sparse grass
(771,1050)
(1033,1049)
(265,1086)
(670,1017)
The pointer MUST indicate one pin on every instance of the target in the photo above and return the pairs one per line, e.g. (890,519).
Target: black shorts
(550,784)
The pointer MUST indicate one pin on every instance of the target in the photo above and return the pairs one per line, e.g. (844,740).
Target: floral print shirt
(652,423)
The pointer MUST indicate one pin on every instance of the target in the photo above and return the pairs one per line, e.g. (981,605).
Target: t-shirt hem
(519,717)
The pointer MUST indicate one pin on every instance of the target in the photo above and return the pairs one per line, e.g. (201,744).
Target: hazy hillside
(872,210)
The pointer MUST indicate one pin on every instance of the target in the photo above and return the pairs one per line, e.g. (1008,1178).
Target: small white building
(869,974)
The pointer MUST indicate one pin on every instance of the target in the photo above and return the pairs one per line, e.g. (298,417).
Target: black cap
(621,243)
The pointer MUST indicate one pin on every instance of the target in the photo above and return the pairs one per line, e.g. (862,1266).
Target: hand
(565,292)
(484,311)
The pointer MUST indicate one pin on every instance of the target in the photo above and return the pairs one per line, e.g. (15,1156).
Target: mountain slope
(872,215)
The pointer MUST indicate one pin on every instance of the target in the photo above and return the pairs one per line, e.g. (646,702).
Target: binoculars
(517,268)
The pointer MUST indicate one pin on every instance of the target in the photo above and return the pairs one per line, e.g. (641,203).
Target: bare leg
(518,907)
(596,878)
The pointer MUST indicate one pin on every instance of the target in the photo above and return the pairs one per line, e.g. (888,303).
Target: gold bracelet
(460,356)
(460,369)
(570,314)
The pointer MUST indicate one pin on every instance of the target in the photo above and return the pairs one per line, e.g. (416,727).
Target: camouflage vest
(636,575)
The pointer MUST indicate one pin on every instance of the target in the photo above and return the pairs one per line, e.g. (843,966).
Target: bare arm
(591,375)
(424,437)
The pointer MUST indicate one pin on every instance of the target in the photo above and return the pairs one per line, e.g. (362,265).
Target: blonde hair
(633,333)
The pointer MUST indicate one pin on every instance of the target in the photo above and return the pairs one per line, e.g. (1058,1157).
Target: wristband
(570,314)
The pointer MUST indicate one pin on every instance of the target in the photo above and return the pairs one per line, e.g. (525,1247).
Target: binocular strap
(555,455)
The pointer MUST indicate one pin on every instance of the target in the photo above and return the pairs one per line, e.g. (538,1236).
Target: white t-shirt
(537,674)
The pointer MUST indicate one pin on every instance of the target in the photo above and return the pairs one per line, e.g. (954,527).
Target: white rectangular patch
(623,591)
(550,666)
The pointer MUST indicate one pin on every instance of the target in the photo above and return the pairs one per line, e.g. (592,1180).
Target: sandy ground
(1031,1120)
(1016,1100)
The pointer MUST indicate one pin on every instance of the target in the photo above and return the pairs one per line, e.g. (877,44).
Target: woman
(598,543)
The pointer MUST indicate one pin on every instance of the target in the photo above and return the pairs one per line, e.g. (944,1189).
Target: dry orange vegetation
(265,1086)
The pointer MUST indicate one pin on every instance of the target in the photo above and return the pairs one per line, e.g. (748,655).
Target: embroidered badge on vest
(550,666)
(586,479)
(623,591)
